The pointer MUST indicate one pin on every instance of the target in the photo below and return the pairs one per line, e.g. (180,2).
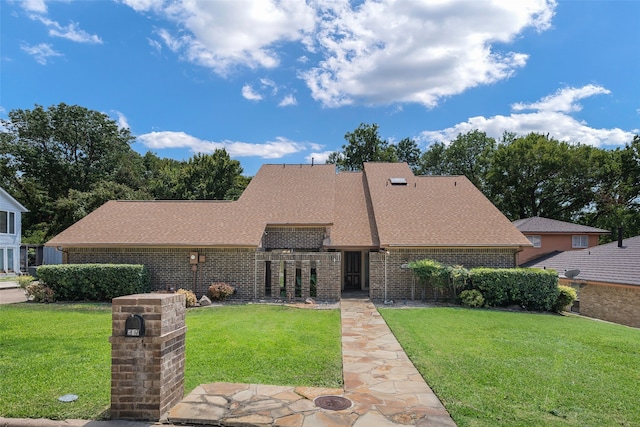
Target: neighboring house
(608,282)
(10,229)
(549,235)
(303,230)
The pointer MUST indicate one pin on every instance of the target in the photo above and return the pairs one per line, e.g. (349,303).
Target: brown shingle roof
(354,224)
(435,211)
(163,223)
(292,194)
(537,224)
(363,210)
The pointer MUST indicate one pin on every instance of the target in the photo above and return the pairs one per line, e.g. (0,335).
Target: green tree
(536,175)
(363,145)
(47,153)
(209,176)
(617,191)
(407,150)
(470,154)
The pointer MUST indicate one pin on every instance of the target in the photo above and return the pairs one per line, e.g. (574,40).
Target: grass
(260,344)
(47,351)
(493,368)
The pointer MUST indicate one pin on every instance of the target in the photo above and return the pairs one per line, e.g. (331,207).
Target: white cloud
(369,52)
(250,94)
(564,100)
(550,115)
(418,52)
(144,5)
(224,34)
(38,6)
(70,32)
(318,158)
(268,150)
(40,52)
(287,101)
(123,123)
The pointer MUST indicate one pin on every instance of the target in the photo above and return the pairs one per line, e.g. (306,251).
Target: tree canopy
(64,161)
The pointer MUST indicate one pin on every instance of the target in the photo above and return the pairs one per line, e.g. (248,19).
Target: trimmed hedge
(532,289)
(94,282)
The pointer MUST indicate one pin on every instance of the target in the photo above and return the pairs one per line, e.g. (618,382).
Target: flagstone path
(381,384)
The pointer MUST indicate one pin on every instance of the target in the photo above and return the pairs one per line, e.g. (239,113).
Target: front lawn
(493,368)
(47,351)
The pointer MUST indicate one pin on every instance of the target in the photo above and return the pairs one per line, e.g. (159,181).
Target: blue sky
(283,81)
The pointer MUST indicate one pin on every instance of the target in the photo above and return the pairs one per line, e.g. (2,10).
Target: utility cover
(68,398)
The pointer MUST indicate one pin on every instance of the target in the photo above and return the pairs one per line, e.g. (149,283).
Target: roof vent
(398,181)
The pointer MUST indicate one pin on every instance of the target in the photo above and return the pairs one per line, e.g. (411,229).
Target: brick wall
(613,303)
(170,268)
(401,283)
(147,372)
(326,264)
(293,237)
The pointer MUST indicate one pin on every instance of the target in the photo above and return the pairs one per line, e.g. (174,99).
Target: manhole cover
(333,403)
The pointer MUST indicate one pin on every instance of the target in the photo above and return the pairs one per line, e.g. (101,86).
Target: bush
(94,282)
(219,291)
(37,292)
(190,297)
(532,289)
(566,296)
(24,281)
(472,298)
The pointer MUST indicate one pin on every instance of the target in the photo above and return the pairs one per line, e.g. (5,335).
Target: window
(580,241)
(536,240)
(7,222)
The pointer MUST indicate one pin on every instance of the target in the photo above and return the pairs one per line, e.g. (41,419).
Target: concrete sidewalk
(11,293)
(382,388)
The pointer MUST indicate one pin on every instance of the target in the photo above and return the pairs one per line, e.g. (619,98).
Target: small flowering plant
(219,291)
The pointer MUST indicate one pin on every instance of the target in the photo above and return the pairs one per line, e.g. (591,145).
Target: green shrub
(94,282)
(566,296)
(190,297)
(532,289)
(472,298)
(24,281)
(219,291)
(37,292)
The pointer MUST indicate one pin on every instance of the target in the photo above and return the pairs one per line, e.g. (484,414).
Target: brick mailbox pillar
(147,368)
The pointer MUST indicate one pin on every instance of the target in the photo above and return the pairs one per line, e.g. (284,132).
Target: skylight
(398,181)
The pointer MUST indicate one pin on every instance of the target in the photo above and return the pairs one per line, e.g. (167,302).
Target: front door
(352,271)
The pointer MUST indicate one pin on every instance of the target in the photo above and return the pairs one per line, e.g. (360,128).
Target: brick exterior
(170,268)
(242,268)
(610,302)
(147,373)
(401,283)
(326,264)
(293,237)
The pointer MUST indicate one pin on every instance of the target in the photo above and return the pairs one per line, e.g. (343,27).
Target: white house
(10,229)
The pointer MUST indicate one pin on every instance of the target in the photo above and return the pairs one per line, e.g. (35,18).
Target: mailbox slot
(134,326)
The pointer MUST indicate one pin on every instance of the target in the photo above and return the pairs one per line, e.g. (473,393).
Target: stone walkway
(381,384)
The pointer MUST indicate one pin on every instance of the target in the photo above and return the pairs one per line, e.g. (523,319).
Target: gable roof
(604,263)
(435,211)
(11,200)
(162,223)
(539,224)
(362,209)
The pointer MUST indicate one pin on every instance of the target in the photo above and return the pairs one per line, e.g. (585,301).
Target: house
(303,230)
(10,230)
(607,279)
(550,235)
